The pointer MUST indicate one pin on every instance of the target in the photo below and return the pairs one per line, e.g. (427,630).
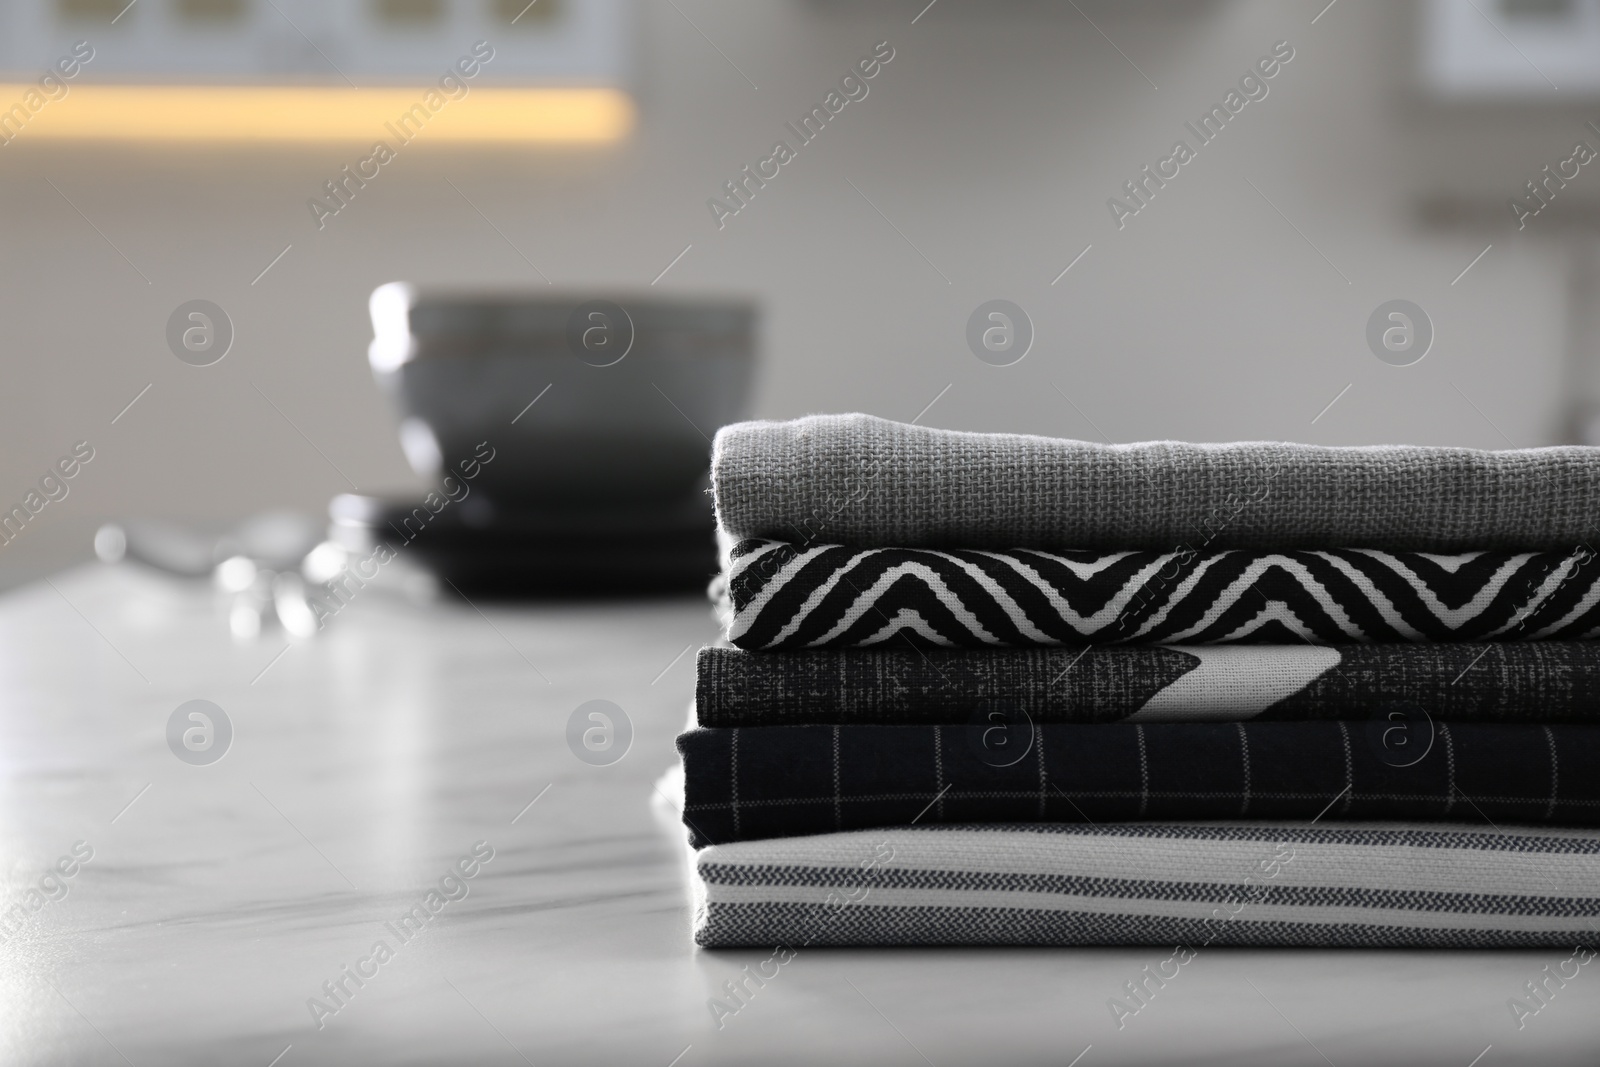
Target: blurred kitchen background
(979,166)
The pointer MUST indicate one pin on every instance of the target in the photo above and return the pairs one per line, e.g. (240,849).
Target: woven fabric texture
(1530,681)
(785,596)
(1182,887)
(865,481)
(782,781)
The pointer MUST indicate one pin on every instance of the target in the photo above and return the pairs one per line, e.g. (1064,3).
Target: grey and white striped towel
(1367,885)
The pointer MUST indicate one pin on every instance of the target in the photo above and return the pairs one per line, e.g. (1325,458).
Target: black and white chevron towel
(863,481)
(786,596)
(1530,681)
(783,781)
(1194,885)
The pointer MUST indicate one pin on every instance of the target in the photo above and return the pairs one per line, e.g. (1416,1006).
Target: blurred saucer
(486,548)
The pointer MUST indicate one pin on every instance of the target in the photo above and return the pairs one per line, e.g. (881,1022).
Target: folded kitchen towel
(780,595)
(782,781)
(1529,681)
(859,480)
(1184,887)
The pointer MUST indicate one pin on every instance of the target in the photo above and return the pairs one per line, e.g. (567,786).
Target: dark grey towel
(864,481)
(1533,681)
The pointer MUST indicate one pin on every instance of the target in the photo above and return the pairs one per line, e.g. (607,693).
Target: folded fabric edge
(1220,883)
(872,481)
(778,595)
(1532,682)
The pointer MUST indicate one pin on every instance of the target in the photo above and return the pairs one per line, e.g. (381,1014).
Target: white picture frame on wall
(1510,50)
(364,42)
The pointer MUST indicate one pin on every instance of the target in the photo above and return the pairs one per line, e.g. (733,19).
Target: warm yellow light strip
(308,113)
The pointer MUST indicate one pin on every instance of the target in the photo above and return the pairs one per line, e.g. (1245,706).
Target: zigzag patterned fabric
(1195,886)
(786,596)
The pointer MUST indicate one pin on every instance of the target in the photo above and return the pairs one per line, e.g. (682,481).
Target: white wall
(992,140)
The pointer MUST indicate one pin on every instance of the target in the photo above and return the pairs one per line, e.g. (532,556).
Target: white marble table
(220,898)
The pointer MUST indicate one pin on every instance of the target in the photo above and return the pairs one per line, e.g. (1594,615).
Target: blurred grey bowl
(622,404)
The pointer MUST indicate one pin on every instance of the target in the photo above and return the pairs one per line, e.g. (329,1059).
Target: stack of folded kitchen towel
(990,689)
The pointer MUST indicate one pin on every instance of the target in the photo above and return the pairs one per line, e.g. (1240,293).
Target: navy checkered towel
(782,781)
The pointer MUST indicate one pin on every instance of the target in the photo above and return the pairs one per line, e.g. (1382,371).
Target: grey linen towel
(864,481)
